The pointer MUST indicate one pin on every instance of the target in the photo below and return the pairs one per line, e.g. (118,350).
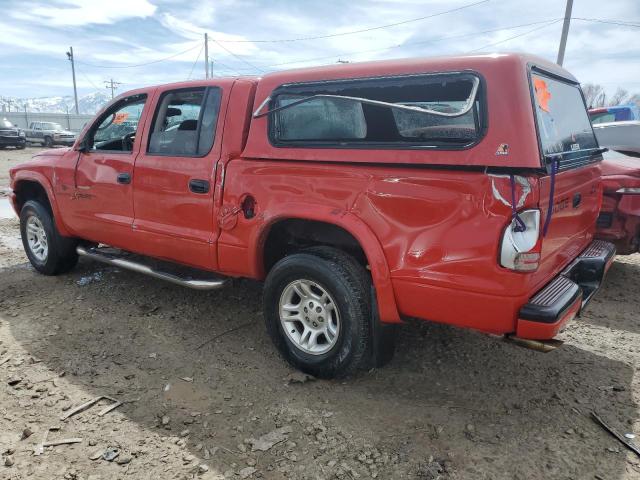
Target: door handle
(198,186)
(124,178)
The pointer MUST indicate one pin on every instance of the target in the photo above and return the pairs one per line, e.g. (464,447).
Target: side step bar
(111,259)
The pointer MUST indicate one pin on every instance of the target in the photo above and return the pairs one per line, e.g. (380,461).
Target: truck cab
(461,190)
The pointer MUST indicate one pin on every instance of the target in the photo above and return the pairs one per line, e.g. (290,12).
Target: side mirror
(83,146)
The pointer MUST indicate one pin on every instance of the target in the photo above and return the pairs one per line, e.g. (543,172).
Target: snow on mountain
(88,104)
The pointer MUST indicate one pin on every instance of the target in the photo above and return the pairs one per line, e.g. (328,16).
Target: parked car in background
(619,219)
(619,136)
(619,113)
(49,134)
(10,135)
(361,194)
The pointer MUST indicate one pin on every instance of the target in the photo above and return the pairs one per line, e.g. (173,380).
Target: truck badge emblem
(503,149)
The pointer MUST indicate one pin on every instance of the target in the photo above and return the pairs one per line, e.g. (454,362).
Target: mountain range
(87,104)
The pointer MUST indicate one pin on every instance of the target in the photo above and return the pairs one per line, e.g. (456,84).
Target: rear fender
(388,311)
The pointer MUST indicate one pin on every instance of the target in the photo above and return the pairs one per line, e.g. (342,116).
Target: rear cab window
(564,127)
(413,111)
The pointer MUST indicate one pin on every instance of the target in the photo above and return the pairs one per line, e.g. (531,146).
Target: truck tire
(317,313)
(49,252)
(383,336)
(48,142)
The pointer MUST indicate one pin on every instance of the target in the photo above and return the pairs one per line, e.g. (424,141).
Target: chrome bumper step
(109,256)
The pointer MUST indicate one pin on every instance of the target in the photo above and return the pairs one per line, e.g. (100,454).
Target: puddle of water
(6,210)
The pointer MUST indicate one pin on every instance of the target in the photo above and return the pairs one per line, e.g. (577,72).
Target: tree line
(596,96)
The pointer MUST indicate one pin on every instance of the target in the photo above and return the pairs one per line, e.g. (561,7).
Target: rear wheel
(317,313)
(49,252)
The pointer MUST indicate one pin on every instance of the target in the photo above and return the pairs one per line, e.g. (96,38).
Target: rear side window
(184,123)
(563,122)
(444,110)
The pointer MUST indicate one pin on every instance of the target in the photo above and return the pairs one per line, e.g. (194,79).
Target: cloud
(117,33)
(83,12)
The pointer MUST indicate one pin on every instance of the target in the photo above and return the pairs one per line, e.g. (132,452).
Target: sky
(145,42)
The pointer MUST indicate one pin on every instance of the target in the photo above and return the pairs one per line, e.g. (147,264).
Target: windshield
(4,123)
(563,122)
(52,126)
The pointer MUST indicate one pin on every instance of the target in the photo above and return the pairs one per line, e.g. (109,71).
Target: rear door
(570,193)
(173,179)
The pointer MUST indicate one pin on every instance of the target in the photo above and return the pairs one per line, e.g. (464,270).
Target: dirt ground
(206,396)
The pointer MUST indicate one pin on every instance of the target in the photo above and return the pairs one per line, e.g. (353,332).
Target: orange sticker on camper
(121,117)
(542,93)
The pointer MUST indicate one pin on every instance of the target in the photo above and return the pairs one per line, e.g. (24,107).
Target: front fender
(43,181)
(388,310)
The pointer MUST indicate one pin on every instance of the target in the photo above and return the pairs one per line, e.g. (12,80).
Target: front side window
(184,122)
(436,110)
(115,130)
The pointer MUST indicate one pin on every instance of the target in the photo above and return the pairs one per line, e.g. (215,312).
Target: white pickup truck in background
(49,134)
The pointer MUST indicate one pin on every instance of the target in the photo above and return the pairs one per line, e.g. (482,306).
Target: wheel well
(292,235)
(28,190)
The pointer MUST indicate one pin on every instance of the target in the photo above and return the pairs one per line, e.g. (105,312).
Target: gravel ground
(205,395)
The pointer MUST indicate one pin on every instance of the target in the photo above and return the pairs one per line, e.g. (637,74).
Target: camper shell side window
(446,111)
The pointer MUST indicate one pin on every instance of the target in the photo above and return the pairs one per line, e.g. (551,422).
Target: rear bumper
(566,295)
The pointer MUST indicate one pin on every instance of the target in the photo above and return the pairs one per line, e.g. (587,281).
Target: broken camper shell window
(429,110)
(564,128)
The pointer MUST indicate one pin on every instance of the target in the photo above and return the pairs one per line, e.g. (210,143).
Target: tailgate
(576,204)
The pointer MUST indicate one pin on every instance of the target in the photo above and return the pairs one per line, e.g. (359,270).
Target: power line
(622,23)
(142,64)
(196,61)
(422,42)
(237,56)
(515,36)
(352,32)
(113,85)
(89,80)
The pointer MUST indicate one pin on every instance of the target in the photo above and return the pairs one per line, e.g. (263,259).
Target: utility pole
(73,72)
(565,31)
(206,56)
(211,69)
(113,85)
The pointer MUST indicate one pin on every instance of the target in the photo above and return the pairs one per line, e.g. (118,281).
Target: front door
(101,206)
(173,179)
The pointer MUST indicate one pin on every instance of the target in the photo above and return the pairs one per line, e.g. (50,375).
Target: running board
(114,259)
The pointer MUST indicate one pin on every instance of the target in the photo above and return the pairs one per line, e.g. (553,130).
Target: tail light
(520,249)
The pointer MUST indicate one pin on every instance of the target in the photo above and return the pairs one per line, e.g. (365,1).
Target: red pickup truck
(619,219)
(462,190)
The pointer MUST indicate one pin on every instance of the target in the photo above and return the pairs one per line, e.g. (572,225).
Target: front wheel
(318,314)
(48,142)
(49,252)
